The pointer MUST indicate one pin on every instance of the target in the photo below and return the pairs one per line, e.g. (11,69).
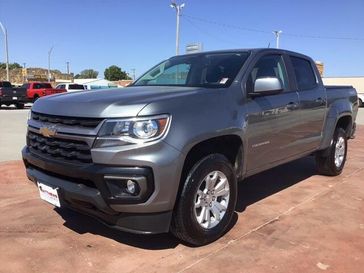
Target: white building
(356,82)
(96,83)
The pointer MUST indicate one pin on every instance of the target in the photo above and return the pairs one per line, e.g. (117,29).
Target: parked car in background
(361,99)
(71,87)
(36,90)
(10,95)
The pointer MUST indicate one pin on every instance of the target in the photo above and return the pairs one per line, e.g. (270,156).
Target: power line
(209,33)
(223,25)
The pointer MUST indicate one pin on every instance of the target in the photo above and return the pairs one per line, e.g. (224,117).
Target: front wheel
(332,160)
(207,202)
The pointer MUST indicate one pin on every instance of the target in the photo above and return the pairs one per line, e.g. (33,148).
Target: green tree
(11,66)
(114,73)
(87,74)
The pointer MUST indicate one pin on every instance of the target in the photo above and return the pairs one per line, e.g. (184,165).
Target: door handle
(292,105)
(320,101)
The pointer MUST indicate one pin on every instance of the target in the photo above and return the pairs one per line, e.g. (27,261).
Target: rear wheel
(361,103)
(20,105)
(332,160)
(207,202)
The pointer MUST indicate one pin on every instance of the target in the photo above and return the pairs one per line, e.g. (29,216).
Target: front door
(271,119)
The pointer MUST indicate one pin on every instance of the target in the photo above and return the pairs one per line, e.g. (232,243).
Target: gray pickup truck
(166,153)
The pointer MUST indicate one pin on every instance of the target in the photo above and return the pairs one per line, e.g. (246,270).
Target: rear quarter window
(305,76)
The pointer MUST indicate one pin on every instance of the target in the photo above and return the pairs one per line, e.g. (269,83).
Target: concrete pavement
(289,219)
(13,124)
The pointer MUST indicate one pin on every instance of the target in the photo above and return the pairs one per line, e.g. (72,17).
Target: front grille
(56,148)
(71,121)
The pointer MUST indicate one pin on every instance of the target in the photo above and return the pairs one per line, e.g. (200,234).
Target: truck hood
(123,102)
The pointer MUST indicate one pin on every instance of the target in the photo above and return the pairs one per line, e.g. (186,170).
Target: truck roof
(252,50)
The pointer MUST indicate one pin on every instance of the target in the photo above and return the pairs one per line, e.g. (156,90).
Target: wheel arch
(231,146)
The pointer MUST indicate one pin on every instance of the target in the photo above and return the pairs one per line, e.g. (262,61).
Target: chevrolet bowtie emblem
(48,131)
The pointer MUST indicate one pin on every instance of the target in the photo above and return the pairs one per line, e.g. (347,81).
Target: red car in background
(36,90)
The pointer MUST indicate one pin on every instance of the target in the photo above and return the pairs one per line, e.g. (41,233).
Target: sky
(138,34)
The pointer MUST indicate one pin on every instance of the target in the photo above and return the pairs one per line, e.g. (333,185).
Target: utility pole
(133,73)
(68,67)
(178,13)
(24,65)
(277,33)
(4,30)
(49,64)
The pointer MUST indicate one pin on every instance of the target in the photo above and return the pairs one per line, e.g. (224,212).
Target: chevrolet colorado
(166,153)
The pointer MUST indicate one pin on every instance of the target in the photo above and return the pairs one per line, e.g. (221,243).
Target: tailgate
(8,92)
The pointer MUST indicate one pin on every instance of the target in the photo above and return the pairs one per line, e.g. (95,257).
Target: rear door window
(76,86)
(305,75)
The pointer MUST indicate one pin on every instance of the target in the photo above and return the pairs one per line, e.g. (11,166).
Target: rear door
(271,119)
(312,108)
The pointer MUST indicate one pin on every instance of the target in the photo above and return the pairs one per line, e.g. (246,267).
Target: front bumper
(83,188)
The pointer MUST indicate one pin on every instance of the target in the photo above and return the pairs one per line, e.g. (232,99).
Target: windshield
(42,85)
(202,70)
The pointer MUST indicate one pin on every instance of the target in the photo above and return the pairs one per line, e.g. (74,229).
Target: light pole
(133,73)
(178,13)
(277,33)
(49,63)
(6,50)
(68,67)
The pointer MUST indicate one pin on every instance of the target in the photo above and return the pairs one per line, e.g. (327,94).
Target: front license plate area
(49,194)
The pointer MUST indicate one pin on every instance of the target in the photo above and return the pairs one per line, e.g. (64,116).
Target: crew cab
(10,95)
(167,152)
(35,90)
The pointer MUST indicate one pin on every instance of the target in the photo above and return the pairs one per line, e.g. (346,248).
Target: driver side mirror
(266,86)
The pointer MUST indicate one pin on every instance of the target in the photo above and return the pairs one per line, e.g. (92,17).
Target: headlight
(116,132)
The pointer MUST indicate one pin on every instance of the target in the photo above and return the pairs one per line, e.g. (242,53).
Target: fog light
(131,186)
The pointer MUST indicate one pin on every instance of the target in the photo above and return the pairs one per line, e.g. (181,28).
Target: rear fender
(337,110)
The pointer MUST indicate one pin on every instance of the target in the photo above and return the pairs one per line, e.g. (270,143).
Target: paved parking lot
(288,219)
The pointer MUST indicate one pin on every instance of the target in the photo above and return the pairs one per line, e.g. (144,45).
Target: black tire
(20,105)
(184,223)
(325,160)
(361,103)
